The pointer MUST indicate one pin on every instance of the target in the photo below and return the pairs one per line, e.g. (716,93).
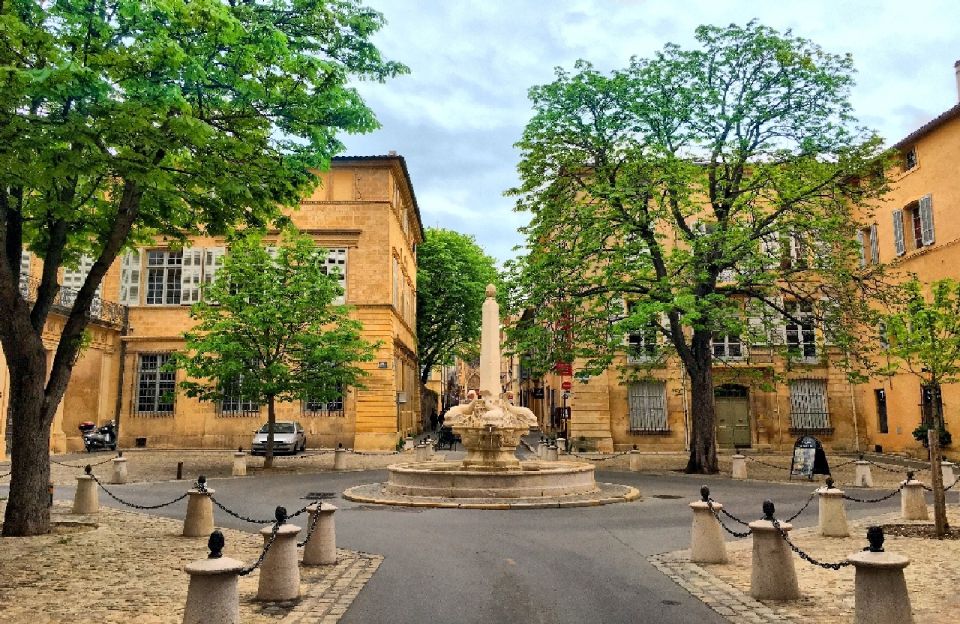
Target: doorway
(733,415)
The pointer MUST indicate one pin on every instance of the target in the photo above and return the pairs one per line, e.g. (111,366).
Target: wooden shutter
(808,404)
(130,277)
(874,245)
(190,273)
(863,257)
(73,281)
(337,265)
(212,261)
(926,219)
(898,242)
(647,403)
(25,273)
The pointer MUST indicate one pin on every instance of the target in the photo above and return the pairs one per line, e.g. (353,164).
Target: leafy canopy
(452,275)
(924,332)
(273,332)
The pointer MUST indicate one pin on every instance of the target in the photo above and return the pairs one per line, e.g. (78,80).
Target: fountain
(491,475)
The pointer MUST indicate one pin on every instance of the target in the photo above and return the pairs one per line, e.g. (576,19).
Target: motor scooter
(95,439)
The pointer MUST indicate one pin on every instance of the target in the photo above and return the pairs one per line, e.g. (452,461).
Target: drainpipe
(856,427)
(686,409)
(124,330)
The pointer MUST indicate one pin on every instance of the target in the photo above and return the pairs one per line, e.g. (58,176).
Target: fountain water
(491,475)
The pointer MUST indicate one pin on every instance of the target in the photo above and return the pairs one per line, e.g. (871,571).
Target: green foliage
(273,332)
(920,435)
(924,332)
(694,185)
(452,275)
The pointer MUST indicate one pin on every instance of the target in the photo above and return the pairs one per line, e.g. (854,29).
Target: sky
(457,115)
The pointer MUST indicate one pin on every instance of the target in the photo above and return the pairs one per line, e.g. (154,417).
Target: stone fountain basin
(533,479)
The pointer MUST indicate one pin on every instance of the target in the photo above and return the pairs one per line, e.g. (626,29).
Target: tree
(121,121)
(685,194)
(924,339)
(268,331)
(452,276)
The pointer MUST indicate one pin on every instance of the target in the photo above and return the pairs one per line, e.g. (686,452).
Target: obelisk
(490,346)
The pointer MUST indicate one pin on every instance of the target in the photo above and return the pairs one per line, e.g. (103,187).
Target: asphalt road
(551,565)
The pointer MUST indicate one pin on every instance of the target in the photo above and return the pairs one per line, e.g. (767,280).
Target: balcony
(106,312)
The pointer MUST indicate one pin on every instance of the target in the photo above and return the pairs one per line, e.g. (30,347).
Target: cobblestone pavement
(161,465)
(827,594)
(130,568)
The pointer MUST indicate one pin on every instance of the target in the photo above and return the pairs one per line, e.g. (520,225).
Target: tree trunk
(703,433)
(271,424)
(936,476)
(27,510)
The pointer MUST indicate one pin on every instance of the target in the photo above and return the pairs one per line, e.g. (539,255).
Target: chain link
(313,524)
(722,525)
(598,459)
(875,500)
(900,470)
(53,461)
(236,515)
(266,548)
(134,505)
(6,474)
(805,556)
(802,509)
(728,514)
(763,463)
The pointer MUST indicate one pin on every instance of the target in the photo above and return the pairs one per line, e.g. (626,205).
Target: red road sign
(566,385)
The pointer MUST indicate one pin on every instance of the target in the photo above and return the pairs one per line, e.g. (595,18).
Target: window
(910,159)
(337,265)
(642,343)
(73,280)
(869,247)
(647,401)
(130,278)
(25,274)
(164,269)
(235,401)
(801,338)
(808,404)
(333,407)
(881,398)
(796,254)
(727,347)
(913,226)
(155,386)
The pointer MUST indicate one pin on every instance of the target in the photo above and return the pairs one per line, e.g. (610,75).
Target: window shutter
(926,219)
(130,278)
(898,243)
(190,275)
(212,261)
(874,245)
(73,280)
(337,265)
(770,250)
(863,257)
(25,273)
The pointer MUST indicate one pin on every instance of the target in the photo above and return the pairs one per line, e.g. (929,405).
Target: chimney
(394,152)
(956,71)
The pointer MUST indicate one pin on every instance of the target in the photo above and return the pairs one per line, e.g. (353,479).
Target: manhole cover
(665,496)
(319,495)
(671,603)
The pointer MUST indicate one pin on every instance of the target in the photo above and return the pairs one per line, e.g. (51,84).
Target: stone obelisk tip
(491,291)
(490,346)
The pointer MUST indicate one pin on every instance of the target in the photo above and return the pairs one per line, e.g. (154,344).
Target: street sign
(563,368)
(538,393)
(566,385)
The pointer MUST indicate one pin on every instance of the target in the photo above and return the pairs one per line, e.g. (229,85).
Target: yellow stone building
(915,233)
(366,214)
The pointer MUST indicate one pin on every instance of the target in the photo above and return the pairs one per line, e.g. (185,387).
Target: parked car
(288,437)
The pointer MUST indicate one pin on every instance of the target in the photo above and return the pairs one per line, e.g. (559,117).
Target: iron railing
(101,310)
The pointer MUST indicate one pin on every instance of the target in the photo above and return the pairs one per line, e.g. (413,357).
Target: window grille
(648,413)
(808,404)
(334,407)
(155,386)
(234,401)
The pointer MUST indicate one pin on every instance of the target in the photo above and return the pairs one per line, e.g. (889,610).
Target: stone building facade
(365,213)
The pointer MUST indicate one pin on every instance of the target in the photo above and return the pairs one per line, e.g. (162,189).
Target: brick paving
(827,594)
(130,568)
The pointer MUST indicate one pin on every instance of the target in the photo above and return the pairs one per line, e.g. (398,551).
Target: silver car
(288,437)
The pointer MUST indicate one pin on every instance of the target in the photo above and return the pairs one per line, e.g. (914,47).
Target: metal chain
(313,525)
(266,548)
(760,461)
(802,509)
(6,474)
(728,514)
(901,470)
(134,505)
(53,461)
(846,463)
(805,556)
(236,515)
(875,500)
(598,459)
(722,525)
(362,453)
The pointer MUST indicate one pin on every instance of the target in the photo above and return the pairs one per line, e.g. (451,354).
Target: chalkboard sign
(808,458)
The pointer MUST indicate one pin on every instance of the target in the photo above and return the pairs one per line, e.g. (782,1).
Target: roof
(930,126)
(406,175)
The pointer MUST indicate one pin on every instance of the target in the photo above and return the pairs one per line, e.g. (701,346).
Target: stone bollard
(635,460)
(862,476)
(946,470)
(912,505)
(119,470)
(541,450)
(199,519)
(772,575)
(240,463)
(833,514)
(552,454)
(739,467)
(86,501)
(340,458)
(706,538)
(422,453)
(408,443)
(280,572)
(321,547)
(561,445)
(431,447)
(880,591)
(212,595)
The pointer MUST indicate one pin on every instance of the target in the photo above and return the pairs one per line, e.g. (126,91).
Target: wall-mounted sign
(566,385)
(563,368)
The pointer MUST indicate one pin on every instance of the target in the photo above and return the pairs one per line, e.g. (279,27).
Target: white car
(288,437)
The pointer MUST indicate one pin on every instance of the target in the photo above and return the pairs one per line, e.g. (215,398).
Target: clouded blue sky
(457,115)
